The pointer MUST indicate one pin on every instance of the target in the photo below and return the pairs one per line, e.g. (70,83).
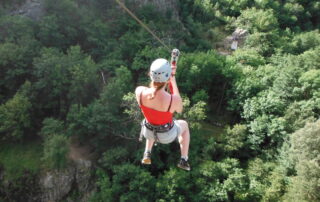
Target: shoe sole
(146,162)
(184,168)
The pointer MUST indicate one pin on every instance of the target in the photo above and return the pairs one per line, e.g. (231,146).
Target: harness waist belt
(160,128)
(156,129)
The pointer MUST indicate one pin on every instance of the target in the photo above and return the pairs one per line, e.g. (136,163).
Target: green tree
(16,64)
(49,33)
(15,28)
(132,183)
(249,83)
(299,15)
(299,113)
(174,186)
(310,82)
(50,127)
(113,157)
(202,70)
(56,144)
(15,115)
(277,186)
(221,181)
(247,57)
(56,148)
(99,40)
(257,20)
(63,24)
(236,138)
(103,118)
(104,192)
(264,43)
(194,114)
(258,172)
(305,144)
(305,41)
(63,80)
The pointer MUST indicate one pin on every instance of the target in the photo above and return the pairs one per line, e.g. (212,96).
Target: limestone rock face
(236,39)
(83,178)
(34,9)
(238,35)
(162,5)
(31,8)
(57,185)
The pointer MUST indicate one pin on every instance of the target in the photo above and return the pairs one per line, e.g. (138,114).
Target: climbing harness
(155,129)
(142,24)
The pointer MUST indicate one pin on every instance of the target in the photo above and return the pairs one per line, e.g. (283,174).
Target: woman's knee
(184,125)
(183,122)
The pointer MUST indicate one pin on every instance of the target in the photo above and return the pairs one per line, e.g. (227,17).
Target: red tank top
(156,117)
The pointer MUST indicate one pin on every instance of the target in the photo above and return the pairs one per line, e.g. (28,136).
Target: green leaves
(16,65)
(113,157)
(305,151)
(257,20)
(56,147)
(103,118)
(132,108)
(202,71)
(310,82)
(247,57)
(174,185)
(131,183)
(56,143)
(51,127)
(305,41)
(15,115)
(63,80)
(221,180)
(15,28)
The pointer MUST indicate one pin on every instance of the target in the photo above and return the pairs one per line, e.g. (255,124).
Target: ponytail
(157,86)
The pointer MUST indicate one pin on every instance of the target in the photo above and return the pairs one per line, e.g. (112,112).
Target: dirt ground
(78,151)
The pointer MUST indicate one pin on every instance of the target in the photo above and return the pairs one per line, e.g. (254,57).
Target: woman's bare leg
(184,138)
(149,145)
(147,153)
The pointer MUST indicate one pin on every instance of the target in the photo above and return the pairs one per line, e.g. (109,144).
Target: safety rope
(142,24)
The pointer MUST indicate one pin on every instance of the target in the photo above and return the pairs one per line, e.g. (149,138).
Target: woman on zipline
(158,106)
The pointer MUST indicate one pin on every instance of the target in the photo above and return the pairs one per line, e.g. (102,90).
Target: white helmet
(160,70)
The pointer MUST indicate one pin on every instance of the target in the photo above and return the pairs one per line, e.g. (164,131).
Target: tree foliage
(55,151)
(305,152)
(15,115)
(71,74)
(56,143)
(63,80)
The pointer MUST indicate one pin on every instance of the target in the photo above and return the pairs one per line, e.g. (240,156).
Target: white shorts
(166,137)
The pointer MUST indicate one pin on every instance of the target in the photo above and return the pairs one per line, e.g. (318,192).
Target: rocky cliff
(33,9)
(162,5)
(59,185)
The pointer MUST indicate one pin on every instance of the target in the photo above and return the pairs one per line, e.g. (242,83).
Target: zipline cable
(142,24)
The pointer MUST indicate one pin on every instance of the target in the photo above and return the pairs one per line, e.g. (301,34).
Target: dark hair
(157,86)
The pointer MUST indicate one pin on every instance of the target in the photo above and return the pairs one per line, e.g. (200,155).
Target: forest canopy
(253,112)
